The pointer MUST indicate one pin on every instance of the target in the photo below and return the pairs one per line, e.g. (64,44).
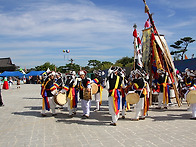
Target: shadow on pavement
(30,98)
(101,117)
(34,107)
(29,113)
(170,117)
(163,110)
(84,122)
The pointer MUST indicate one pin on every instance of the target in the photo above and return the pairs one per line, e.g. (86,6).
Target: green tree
(28,70)
(45,66)
(118,64)
(181,46)
(73,66)
(106,65)
(62,69)
(95,64)
(125,60)
(69,67)
(129,65)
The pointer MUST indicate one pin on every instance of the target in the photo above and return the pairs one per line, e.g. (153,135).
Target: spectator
(18,83)
(1,101)
(10,82)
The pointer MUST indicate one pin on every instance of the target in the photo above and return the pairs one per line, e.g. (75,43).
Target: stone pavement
(21,125)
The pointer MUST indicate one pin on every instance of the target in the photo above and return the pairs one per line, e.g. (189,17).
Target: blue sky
(33,32)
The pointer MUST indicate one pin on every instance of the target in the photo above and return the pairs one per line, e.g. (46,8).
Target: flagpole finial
(134,26)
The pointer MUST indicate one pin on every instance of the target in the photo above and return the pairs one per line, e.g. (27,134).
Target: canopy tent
(34,73)
(11,74)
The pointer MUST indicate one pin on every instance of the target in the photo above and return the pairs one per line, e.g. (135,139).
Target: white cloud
(61,19)
(182,4)
(171,13)
(47,28)
(37,32)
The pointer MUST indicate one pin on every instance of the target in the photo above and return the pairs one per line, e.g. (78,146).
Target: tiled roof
(5,62)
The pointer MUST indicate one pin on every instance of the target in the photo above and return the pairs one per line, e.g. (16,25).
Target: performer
(48,92)
(70,84)
(162,89)
(113,85)
(59,84)
(125,105)
(85,93)
(98,96)
(189,83)
(192,87)
(139,87)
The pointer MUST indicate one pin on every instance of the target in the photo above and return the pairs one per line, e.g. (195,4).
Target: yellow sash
(145,101)
(165,97)
(116,86)
(101,89)
(70,96)
(43,100)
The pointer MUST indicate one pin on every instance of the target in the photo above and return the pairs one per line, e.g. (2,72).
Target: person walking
(1,100)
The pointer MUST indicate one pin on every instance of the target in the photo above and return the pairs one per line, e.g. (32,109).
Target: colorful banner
(146,48)
(155,53)
(137,51)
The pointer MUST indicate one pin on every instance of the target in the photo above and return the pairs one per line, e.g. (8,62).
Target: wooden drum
(191,97)
(60,99)
(132,97)
(94,88)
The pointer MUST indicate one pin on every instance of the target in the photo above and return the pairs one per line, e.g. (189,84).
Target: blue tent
(11,74)
(35,73)
(181,65)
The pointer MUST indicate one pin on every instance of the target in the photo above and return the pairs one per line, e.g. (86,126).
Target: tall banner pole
(135,39)
(166,61)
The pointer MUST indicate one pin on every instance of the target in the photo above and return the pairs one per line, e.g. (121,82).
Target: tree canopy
(45,66)
(92,65)
(125,60)
(181,46)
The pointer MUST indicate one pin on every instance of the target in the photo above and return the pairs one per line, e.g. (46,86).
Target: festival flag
(168,63)
(146,37)
(137,50)
(186,57)
(155,53)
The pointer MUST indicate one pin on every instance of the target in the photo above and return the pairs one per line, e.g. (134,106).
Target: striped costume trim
(66,88)
(96,80)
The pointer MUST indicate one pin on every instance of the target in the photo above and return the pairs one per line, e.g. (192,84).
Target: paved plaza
(21,125)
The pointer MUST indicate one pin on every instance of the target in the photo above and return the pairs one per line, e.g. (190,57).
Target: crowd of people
(119,86)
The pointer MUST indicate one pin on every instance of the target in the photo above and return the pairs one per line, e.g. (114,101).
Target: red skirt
(5,85)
